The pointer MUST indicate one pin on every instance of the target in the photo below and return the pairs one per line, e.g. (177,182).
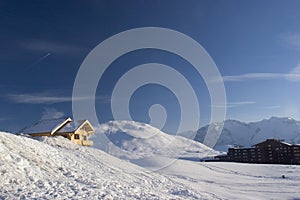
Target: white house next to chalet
(78,132)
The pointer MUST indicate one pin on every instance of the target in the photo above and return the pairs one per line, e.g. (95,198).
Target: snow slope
(237,180)
(248,134)
(55,168)
(141,143)
(156,151)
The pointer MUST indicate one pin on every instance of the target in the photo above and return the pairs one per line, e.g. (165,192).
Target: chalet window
(76,136)
(84,137)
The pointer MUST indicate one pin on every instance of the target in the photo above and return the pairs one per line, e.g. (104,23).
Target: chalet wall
(81,137)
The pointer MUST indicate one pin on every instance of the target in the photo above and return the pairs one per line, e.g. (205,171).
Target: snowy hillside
(55,168)
(141,143)
(247,134)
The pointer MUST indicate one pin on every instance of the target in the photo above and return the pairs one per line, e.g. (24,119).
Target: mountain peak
(248,134)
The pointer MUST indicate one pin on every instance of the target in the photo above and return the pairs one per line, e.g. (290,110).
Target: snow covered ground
(150,148)
(238,181)
(55,168)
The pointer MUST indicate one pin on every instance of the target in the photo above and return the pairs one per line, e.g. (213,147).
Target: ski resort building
(270,151)
(78,132)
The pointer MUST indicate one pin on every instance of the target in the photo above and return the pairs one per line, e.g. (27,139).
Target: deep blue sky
(255,44)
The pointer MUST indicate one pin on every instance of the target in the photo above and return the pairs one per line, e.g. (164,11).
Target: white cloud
(271,107)
(38,99)
(46,98)
(51,47)
(293,75)
(52,113)
(252,76)
(234,104)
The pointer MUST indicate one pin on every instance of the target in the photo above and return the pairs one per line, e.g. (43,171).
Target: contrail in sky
(39,60)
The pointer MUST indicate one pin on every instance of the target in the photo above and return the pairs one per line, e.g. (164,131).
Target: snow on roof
(275,140)
(287,143)
(45,126)
(71,127)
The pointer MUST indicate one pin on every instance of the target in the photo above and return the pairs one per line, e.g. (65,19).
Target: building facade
(270,151)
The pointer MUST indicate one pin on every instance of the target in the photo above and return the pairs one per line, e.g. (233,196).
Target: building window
(76,136)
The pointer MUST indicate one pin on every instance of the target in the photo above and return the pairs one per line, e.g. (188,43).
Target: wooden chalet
(78,132)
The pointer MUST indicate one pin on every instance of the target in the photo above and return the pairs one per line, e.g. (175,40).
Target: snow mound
(55,168)
(136,142)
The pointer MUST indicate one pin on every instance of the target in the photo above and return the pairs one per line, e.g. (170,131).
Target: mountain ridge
(247,134)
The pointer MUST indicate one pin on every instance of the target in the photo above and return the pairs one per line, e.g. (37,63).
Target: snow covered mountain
(247,134)
(141,143)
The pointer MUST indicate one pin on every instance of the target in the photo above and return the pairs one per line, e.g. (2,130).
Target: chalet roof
(46,126)
(53,126)
(73,126)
